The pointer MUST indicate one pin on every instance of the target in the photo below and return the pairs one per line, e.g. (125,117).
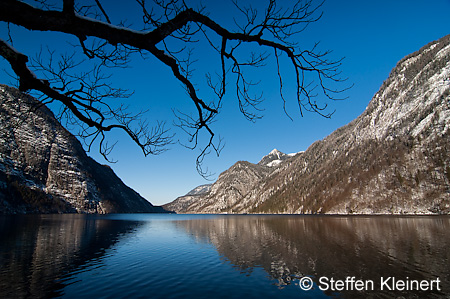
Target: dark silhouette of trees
(86,96)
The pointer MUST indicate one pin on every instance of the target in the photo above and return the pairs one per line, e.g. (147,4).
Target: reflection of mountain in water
(34,250)
(335,247)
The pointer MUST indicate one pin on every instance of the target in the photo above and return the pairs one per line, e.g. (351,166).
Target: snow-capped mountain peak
(274,158)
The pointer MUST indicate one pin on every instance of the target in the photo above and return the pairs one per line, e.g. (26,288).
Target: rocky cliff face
(392,159)
(44,169)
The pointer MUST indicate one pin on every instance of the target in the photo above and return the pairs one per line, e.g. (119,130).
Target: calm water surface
(219,256)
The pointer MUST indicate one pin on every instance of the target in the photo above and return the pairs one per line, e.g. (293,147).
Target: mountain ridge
(392,159)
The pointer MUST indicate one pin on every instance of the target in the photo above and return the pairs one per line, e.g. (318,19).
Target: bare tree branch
(85,95)
(151,142)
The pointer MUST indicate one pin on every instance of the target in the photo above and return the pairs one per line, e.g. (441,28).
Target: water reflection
(39,253)
(289,247)
(193,256)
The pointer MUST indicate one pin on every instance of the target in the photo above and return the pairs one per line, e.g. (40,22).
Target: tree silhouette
(86,96)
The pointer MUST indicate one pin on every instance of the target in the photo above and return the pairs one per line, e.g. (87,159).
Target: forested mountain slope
(394,158)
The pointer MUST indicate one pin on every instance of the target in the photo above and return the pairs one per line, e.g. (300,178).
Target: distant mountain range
(230,187)
(392,159)
(44,169)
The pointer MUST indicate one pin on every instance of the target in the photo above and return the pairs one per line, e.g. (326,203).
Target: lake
(224,256)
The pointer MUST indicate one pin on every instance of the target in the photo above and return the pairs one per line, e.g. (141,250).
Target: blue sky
(371,35)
